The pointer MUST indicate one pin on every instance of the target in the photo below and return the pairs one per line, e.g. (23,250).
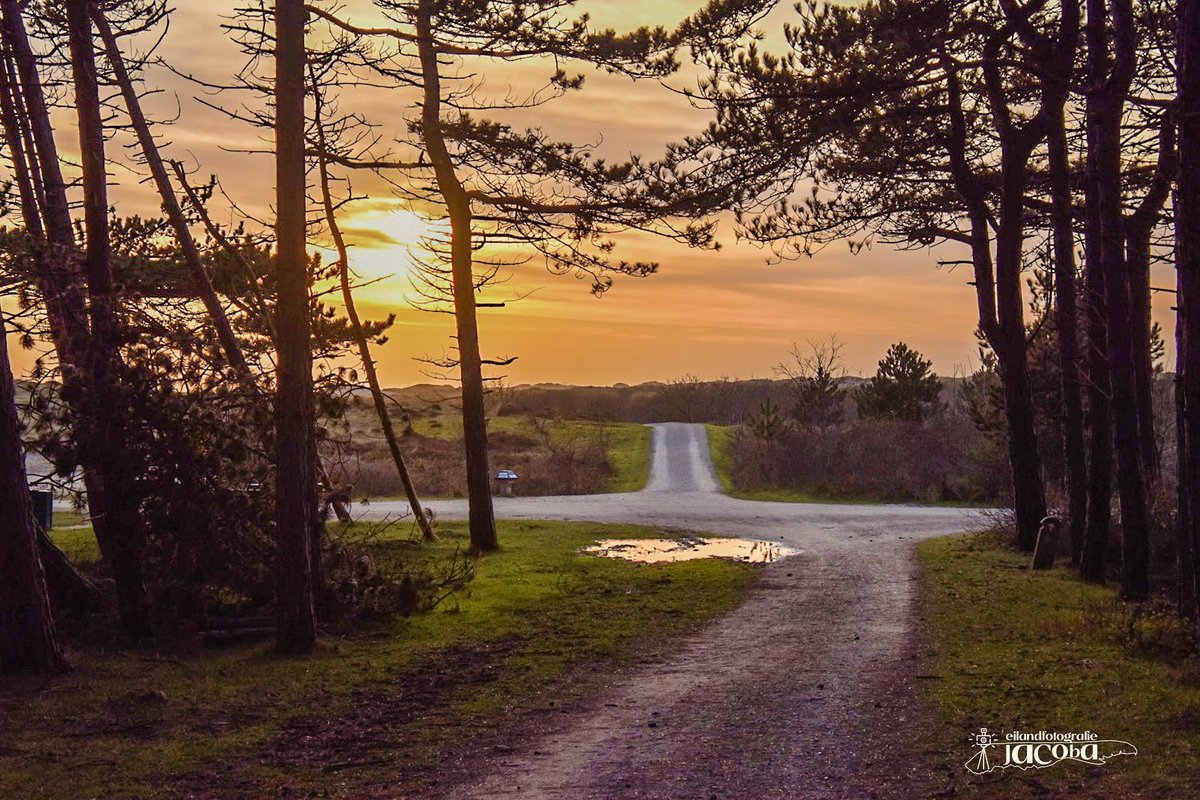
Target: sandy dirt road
(808,690)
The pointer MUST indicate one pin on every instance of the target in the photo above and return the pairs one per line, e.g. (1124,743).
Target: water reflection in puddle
(689,547)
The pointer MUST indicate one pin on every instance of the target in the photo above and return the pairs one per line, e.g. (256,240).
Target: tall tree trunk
(46,215)
(1099,412)
(295,480)
(1052,56)
(1028,490)
(1137,259)
(47,219)
(1067,325)
(1099,374)
(458,206)
(1029,497)
(68,588)
(1103,120)
(27,638)
(104,453)
(1186,557)
(998,290)
(1139,228)
(58,268)
(1187,264)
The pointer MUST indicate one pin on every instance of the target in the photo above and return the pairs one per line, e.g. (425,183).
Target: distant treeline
(721,402)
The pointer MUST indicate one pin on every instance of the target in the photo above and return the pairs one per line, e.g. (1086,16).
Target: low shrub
(941,460)
(550,460)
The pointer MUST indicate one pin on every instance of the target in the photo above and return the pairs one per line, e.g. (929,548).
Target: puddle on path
(689,547)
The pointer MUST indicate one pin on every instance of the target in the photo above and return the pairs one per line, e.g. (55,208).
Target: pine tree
(904,387)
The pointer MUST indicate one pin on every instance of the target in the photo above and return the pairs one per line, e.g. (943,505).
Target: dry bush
(548,460)
(943,460)
(437,467)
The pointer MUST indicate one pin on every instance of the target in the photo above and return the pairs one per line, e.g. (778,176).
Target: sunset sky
(705,313)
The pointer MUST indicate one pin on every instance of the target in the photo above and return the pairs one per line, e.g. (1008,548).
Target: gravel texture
(808,690)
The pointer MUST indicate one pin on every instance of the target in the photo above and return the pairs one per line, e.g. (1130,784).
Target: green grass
(78,543)
(629,455)
(541,623)
(68,517)
(720,437)
(1019,650)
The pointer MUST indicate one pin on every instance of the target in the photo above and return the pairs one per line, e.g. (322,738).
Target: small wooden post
(1047,543)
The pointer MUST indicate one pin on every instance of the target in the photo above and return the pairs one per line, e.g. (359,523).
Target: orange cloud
(707,313)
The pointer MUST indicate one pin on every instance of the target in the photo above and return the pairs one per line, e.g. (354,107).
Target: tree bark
(1103,120)
(1099,413)
(68,588)
(1029,498)
(1139,228)
(1066,319)
(118,519)
(1187,263)
(295,480)
(59,272)
(1185,548)
(458,206)
(28,642)
(1098,114)
(46,216)
(998,292)
(1028,489)
(1137,260)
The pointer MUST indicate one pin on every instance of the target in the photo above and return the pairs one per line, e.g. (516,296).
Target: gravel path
(805,691)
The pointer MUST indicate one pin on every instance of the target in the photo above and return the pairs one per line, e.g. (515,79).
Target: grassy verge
(629,455)
(539,625)
(1017,650)
(720,437)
